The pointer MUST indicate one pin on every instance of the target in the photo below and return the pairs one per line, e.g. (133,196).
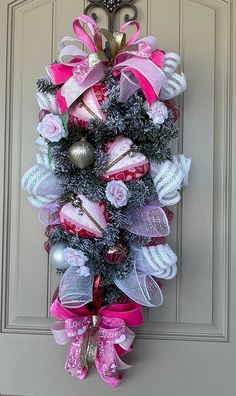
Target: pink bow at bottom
(102,342)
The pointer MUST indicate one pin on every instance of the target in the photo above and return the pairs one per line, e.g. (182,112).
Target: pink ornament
(87,221)
(88,106)
(124,163)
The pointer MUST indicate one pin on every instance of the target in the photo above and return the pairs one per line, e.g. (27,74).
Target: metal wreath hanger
(111,7)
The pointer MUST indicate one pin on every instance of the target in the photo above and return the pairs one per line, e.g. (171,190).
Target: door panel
(196,305)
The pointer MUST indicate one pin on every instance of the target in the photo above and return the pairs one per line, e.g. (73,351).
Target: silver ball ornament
(82,153)
(56,258)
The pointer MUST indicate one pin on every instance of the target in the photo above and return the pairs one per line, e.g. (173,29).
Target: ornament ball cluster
(104,182)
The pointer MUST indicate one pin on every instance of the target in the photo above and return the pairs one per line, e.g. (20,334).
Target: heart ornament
(88,220)
(124,163)
(88,106)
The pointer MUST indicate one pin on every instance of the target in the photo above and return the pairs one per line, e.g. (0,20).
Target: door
(188,346)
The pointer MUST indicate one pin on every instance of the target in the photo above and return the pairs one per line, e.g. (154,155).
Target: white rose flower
(158,112)
(74,257)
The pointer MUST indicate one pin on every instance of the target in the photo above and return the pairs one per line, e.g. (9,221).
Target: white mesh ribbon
(159,261)
(141,288)
(184,164)
(40,183)
(168,178)
(41,144)
(49,213)
(75,290)
(176,83)
(47,101)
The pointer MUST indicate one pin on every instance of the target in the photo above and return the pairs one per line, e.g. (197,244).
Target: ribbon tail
(120,364)
(108,370)
(73,363)
(59,333)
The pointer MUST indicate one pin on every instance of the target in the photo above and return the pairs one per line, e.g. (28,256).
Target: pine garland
(44,85)
(130,120)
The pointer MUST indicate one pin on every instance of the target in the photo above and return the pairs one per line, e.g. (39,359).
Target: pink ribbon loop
(136,35)
(114,338)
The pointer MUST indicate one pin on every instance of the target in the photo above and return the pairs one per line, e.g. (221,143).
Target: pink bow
(107,340)
(138,64)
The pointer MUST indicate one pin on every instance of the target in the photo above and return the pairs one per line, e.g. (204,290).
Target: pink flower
(158,112)
(51,128)
(117,193)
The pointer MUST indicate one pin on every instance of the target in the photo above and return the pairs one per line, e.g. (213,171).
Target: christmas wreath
(103,183)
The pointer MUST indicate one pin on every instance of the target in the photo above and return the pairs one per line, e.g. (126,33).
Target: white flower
(158,112)
(74,257)
(51,128)
(83,271)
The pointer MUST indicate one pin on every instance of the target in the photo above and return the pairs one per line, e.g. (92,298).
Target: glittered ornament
(56,257)
(82,153)
(116,253)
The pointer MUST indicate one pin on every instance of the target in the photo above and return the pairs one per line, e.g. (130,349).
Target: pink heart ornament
(124,163)
(89,106)
(89,223)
